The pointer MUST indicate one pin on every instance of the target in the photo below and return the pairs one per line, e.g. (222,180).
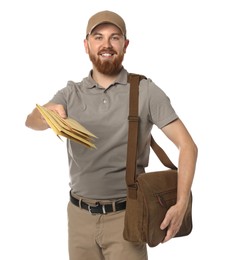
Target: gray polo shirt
(100,173)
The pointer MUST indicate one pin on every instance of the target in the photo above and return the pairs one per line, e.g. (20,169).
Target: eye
(115,38)
(98,37)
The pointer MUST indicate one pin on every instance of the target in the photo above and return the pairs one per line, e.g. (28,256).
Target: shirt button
(104,101)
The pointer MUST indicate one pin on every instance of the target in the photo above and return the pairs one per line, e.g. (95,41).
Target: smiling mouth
(106,54)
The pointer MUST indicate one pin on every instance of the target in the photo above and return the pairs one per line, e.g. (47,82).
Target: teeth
(106,54)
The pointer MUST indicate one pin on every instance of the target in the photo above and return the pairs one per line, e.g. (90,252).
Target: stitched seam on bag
(164,192)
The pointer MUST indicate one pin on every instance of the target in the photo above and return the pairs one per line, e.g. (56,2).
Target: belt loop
(113,206)
(80,203)
(103,209)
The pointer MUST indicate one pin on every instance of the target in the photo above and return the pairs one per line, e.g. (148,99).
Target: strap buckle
(132,191)
(133,118)
(91,209)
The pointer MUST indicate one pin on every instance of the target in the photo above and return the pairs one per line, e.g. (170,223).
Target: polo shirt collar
(89,82)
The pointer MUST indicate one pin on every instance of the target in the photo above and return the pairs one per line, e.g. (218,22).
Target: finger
(62,114)
(170,234)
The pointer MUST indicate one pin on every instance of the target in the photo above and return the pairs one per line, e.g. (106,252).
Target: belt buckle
(98,204)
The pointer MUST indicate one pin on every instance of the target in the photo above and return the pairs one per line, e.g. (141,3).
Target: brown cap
(106,17)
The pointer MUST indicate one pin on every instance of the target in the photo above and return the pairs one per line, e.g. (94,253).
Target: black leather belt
(98,208)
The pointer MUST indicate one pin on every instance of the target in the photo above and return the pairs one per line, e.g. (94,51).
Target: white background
(180,44)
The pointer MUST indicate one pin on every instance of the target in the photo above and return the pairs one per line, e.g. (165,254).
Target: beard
(107,67)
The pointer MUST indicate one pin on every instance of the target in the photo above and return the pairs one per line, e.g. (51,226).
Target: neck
(102,79)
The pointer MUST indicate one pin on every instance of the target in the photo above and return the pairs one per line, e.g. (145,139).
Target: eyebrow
(98,33)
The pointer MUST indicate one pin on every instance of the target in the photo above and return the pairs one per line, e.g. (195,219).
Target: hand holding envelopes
(68,127)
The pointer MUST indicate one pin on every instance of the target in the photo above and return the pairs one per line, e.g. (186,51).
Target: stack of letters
(68,127)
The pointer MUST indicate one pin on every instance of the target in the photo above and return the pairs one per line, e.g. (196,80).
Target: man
(97,177)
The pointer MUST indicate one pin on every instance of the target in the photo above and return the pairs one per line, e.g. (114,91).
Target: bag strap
(131,163)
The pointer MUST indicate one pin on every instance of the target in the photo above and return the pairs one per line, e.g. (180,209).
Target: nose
(107,43)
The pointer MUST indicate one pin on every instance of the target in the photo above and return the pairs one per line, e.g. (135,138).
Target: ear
(126,45)
(86,45)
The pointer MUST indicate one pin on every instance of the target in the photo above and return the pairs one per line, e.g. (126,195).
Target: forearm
(186,170)
(188,152)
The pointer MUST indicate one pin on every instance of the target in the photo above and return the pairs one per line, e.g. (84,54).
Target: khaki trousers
(99,237)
